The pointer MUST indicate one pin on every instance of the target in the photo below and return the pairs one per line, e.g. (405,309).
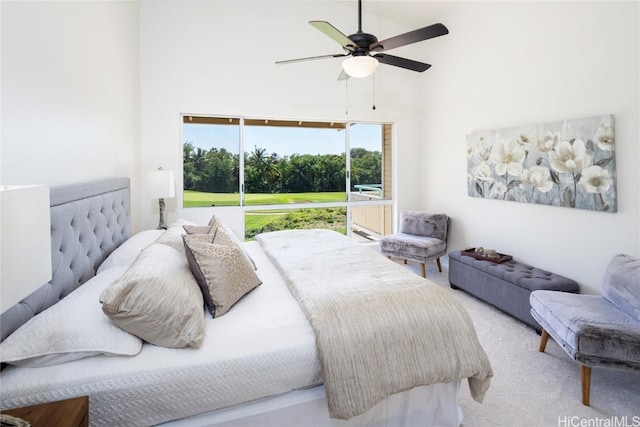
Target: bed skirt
(433,405)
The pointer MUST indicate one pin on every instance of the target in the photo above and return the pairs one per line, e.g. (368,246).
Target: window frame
(387,177)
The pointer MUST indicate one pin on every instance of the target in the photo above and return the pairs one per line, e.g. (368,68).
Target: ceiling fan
(364,51)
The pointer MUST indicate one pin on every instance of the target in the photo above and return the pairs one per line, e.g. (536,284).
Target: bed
(308,342)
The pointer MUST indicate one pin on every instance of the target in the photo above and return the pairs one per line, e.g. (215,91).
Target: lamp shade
(25,242)
(360,66)
(161,184)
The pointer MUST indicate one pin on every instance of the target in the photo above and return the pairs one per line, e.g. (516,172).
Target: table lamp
(161,185)
(25,242)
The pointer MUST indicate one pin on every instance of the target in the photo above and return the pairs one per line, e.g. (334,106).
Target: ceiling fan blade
(335,34)
(414,36)
(310,58)
(396,61)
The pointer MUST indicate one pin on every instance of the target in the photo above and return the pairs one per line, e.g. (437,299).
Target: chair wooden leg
(389,256)
(422,270)
(585,374)
(405,261)
(544,337)
(439,265)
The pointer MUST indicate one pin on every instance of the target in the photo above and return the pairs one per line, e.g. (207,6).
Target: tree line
(218,170)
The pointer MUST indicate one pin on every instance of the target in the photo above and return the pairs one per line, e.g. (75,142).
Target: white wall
(70,92)
(516,63)
(95,89)
(217,58)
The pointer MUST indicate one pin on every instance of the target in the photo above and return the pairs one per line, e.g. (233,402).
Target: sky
(283,141)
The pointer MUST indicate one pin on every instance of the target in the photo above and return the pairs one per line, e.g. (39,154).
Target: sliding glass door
(291,173)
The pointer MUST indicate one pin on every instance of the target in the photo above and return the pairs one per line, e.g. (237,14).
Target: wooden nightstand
(64,413)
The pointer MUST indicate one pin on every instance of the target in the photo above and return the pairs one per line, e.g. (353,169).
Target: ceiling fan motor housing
(362,42)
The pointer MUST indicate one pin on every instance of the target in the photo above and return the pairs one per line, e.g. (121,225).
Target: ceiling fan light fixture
(360,66)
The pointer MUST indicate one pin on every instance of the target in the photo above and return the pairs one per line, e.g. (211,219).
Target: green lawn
(198,199)
(257,222)
(273,219)
(194,199)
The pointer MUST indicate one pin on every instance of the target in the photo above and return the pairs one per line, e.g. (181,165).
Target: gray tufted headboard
(88,221)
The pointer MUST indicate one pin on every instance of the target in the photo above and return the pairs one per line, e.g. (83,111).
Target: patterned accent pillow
(224,236)
(158,299)
(214,222)
(205,238)
(222,271)
(200,229)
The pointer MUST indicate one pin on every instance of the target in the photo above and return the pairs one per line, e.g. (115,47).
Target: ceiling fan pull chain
(346,107)
(374,91)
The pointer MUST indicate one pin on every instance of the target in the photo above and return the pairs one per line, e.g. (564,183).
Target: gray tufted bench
(506,286)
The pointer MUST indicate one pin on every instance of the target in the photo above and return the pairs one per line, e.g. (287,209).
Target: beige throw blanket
(380,329)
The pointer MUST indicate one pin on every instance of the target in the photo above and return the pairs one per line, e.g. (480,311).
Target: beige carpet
(534,389)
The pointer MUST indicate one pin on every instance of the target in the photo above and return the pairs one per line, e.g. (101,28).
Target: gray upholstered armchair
(422,237)
(596,330)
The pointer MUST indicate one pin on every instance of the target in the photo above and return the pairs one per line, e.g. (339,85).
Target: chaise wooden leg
(585,374)
(544,337)
(405,261)
(422,270)
(585,371)
(439,265)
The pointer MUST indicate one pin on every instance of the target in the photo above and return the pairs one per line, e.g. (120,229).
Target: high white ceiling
(410,13)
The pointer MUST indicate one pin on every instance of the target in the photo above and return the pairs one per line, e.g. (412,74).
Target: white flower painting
(569,163)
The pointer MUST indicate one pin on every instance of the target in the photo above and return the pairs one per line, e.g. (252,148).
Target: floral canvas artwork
(569,163)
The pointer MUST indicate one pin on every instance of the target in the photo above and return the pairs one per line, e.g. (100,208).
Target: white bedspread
(151,387)
(379,328)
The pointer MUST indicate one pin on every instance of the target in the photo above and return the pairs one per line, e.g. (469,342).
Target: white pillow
(72,329)
(173,237)
(128,251)
(180,222)
(158,299)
